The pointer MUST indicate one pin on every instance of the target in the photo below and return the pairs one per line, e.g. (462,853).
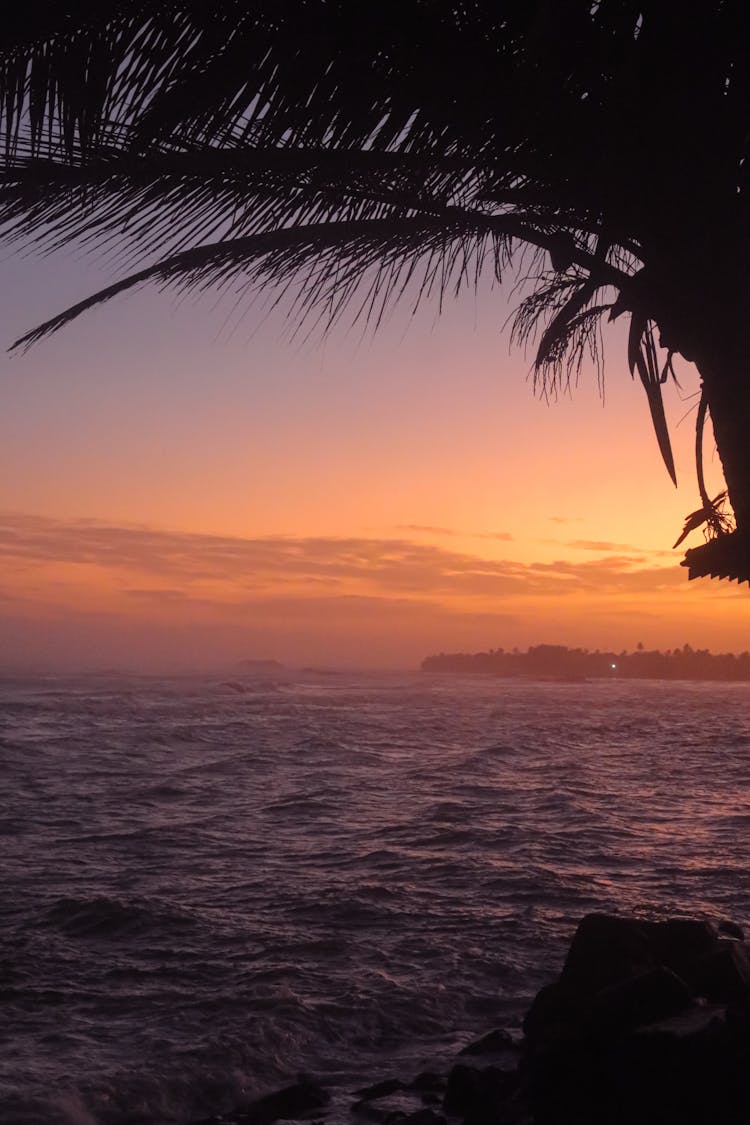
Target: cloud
(86,590)
(607,546)
(616,574)
(566,519)
(425,528)
(628,548)
(195,567)
(156,594)
(600,545)
(429,529)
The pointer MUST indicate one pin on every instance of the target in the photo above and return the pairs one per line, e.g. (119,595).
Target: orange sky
(176,489)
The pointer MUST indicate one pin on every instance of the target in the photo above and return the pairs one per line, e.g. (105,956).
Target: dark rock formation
(732,930)
(648,1024)
(474,1093)
(607,949)
(301,1099)
(723,975)
(423,1117)
(641,999)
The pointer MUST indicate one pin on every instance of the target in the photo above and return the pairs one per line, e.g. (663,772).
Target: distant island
(557,662)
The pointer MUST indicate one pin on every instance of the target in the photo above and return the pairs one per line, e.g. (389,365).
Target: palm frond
(359,154)
(559,330)
(152,202)
(638,326)
(709,514)
(336,255)
(645,363)
(572,332)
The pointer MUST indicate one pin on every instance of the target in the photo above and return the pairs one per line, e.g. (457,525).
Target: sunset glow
(178,492)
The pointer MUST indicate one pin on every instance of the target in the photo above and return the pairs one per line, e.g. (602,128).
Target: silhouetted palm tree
(366,152)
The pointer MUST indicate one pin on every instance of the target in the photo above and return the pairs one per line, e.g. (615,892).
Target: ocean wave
(101,916)
(207,891)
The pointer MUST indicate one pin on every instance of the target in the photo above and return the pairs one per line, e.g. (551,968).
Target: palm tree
(357,154)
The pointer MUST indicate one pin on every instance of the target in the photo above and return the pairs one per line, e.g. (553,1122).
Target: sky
(188,484)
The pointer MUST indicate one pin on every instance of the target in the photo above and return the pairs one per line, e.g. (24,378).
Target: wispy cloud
(600,545)
(88,590)
(143,560)
(146,595)
(425,528)
(452,532)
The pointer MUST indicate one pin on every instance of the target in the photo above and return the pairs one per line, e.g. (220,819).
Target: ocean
(211,886)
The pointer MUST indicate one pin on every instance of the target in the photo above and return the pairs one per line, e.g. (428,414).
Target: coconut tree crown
(364,153)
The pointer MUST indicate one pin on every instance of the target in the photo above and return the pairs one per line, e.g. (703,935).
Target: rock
(724,975)
(732,930)
(461,1089)
(682,1072)
(477,1092)
(424,1117)
(511,1112)
(391,1100)
(556,1012)
(379,1089)
(429,1086)
(651,996)
(605,949)
(431,1097)
(696,1022)
(490,1044)
(626,1036)
(737,1014)
(678,941)
(288,1104)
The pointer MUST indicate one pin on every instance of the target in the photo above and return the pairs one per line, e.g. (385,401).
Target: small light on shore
(613,667)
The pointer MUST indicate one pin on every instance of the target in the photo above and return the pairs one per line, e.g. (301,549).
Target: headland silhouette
(558,662)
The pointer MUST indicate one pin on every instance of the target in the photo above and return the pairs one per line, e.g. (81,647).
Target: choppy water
(206,891)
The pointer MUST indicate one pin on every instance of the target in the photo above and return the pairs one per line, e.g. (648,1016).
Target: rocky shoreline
(647,1024)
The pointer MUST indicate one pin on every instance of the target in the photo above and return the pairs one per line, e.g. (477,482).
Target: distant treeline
(560,662)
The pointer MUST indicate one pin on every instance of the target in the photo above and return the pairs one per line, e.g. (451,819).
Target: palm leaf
(638,325)
(161,196)
(558,330)
(707,513)
(652,386)
(315,142)
(340,254)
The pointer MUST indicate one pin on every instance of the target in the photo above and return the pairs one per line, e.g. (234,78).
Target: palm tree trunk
(728,397)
